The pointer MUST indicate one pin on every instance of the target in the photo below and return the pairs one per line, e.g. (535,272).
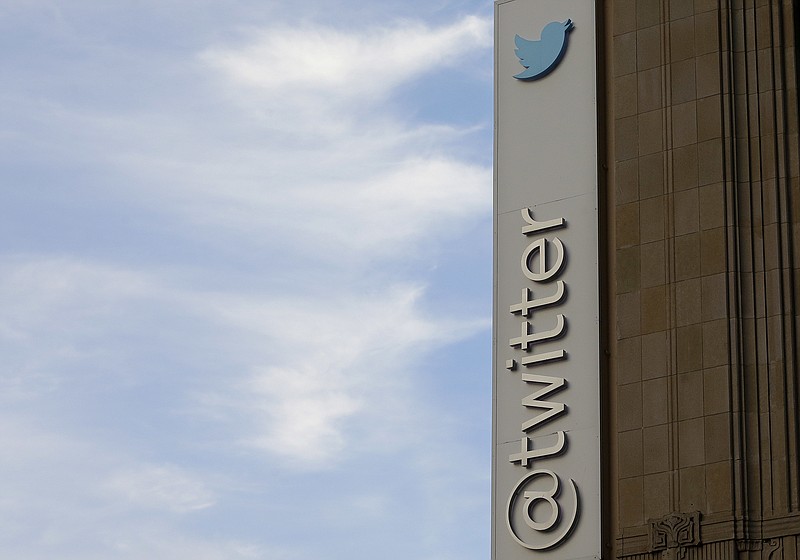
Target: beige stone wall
(705,245)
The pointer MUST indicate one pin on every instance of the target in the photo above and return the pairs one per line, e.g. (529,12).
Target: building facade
(698,219)
(704,240)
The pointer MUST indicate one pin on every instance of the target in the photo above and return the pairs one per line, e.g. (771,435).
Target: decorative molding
(770,547)
(748,545)
(673,533)
(716,528)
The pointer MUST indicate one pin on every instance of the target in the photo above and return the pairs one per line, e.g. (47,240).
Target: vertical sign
(546,408)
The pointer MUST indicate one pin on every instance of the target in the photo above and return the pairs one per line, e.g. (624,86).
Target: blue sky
(245,279)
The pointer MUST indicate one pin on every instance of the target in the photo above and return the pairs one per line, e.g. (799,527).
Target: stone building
(659,159)
(703,214)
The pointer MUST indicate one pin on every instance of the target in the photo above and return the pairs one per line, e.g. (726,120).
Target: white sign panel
(546,433)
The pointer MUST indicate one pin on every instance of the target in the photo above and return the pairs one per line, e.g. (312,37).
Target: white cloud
(318,84)
(68,497)
(327,61)
(233,252)
(59,312)
(302,366)
(387,212)
(301,414)
(353,196)
(33,289)
(299,163)
(331,361)
(167,487)
(347,193)
(365,180)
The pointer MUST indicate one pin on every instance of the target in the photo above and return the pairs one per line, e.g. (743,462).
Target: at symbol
(533,497)
(549,496)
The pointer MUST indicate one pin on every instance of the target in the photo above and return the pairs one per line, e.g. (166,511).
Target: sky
(245,279)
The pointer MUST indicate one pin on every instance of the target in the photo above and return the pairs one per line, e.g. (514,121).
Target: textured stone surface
(707,210)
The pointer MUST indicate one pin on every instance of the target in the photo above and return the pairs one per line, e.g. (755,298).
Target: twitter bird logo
(542,56)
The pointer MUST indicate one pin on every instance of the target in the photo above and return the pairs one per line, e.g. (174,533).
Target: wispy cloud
(226,258)
(331,360)
(309,362)
(344,181)
(166,487)
(299,161)
(328,62)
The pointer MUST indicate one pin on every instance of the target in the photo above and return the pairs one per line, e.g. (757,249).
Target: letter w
(553,408)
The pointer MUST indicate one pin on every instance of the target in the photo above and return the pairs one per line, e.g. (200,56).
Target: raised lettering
(535,226)
(542,272)
(527,338)
(526,455)
(527,304)
(547,496)
(542,358)
(553,409)
(561,516)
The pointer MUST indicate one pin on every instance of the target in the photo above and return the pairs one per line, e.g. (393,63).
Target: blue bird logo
(541,57)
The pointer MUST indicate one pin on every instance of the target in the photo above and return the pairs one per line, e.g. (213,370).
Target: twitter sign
(547,358)
(541,57)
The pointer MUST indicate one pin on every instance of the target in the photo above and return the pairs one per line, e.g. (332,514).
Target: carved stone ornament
(767,547)
(673,532)
(748,545)
(771,546)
